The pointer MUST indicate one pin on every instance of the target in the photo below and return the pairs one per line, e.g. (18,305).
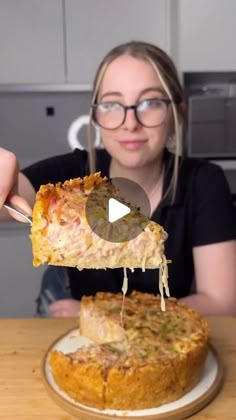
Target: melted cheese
(125,282)
(144,263)
(163,282)
(124,290)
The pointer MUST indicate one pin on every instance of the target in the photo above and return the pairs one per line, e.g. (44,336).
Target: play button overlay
(118,210)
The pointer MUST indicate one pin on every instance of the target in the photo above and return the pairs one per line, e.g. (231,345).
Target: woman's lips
(132,144)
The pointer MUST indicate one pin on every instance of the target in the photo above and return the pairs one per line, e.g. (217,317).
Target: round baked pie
(141,358)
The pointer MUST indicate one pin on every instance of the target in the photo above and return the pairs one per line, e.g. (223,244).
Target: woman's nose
(131,123)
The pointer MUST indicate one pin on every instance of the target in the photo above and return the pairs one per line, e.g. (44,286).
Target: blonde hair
(168,76)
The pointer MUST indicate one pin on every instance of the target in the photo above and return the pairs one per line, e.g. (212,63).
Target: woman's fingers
(9,172)
(64,308)
(21,204)
(9,169)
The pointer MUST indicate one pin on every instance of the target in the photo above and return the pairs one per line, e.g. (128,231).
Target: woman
(138,104)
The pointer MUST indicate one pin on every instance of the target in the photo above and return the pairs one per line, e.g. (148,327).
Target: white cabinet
(94,27)
(31,41)
(207,34)
(63,41)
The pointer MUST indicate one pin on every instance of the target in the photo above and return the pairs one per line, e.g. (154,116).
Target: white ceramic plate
(191,402)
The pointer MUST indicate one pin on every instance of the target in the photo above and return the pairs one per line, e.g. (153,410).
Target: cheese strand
(163,282)
(124,290)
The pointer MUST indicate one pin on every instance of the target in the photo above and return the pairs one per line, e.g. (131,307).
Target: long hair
(168,76)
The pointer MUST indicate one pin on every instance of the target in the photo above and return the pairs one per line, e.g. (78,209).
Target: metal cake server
(11,207)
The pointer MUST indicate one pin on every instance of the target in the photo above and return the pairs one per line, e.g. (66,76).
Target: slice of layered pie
(65,225)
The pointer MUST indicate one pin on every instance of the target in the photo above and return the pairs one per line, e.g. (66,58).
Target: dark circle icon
(118,210)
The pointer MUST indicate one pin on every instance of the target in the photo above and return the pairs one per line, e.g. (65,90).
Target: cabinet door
(19,280)
(94,27)
(206,132)
(31,41)
(207,34)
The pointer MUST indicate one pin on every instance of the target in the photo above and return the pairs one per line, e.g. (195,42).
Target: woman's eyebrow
(147,90)
(153,89)
(110,94)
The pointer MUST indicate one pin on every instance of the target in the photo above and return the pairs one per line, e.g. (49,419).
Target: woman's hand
(14,186)
(9,169)
(64,308)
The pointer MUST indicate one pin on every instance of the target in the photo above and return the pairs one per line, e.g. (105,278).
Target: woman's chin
(132,162)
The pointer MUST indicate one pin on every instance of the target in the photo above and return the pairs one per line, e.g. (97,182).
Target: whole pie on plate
(139,359)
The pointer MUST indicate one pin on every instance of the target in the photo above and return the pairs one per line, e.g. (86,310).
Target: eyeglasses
(149,113)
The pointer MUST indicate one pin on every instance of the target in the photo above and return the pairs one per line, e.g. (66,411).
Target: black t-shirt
(202,213)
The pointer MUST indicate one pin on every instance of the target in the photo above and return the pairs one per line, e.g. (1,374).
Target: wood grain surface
(23,343)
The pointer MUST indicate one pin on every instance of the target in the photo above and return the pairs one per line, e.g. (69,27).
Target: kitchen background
(49,51)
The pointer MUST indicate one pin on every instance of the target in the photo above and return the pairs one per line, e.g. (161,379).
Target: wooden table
(23,343)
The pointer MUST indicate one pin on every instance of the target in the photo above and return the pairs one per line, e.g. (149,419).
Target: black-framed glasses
(149,113)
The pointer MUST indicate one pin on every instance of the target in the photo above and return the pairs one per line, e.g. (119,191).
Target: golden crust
(137,388)
(158,359)
(84,382)
(61,235)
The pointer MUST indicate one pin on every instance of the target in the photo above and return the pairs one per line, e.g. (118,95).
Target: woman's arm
(215,273)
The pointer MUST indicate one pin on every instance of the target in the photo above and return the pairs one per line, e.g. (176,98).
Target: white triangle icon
(116,210)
